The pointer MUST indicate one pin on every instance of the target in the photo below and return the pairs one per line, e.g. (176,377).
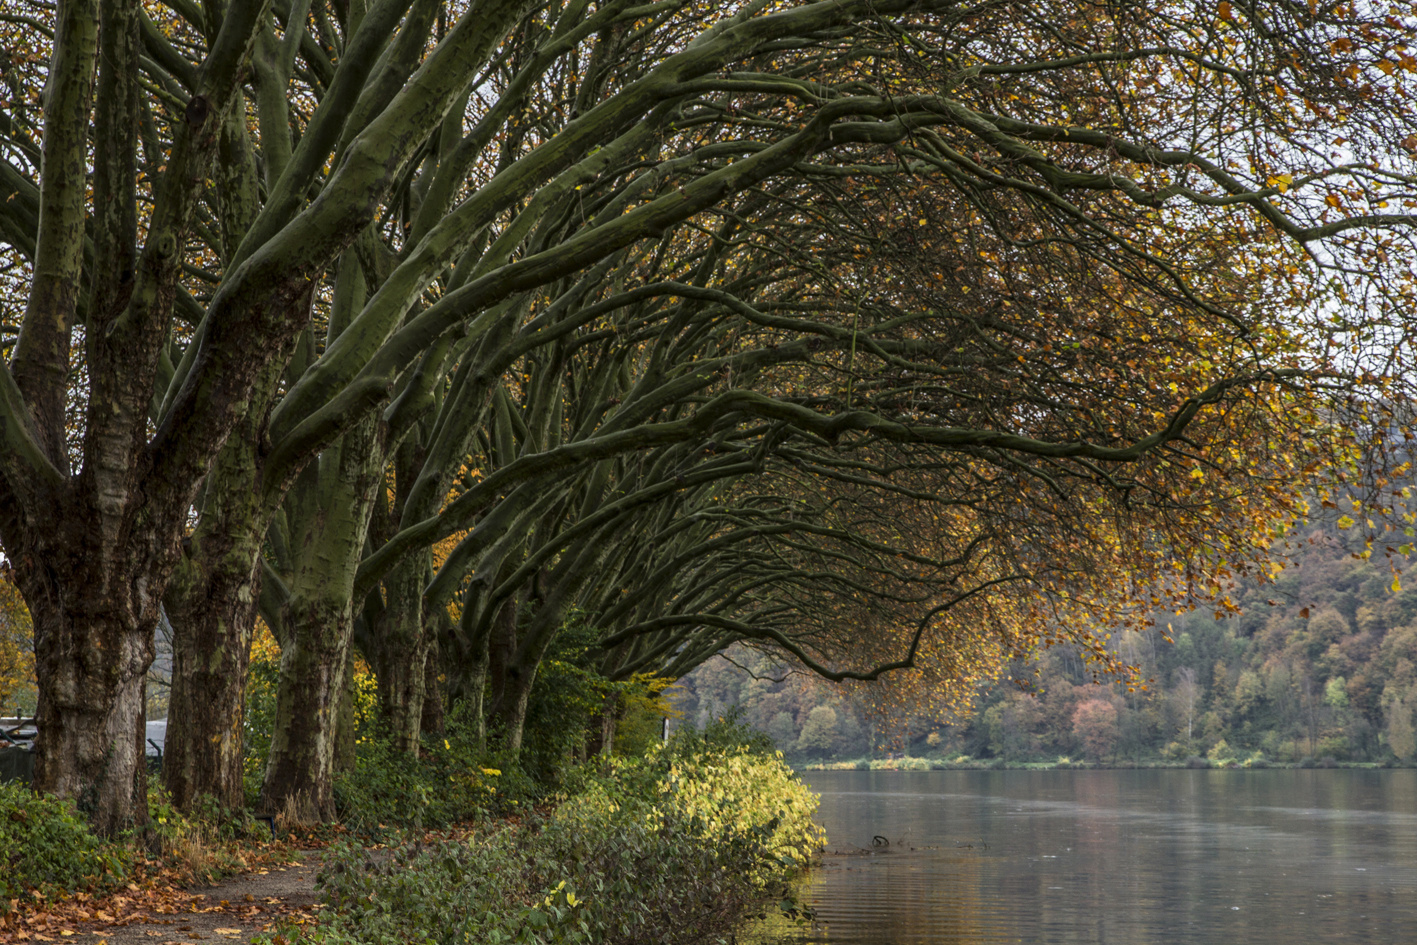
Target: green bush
(389,790)
(570,697)
(46,845)
(669,848)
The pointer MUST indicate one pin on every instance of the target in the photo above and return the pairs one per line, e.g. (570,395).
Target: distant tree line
(1321,663)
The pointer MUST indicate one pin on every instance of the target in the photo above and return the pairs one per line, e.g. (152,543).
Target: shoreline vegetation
(679,844)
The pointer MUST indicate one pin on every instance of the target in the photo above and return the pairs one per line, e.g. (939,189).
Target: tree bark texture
(299,778)
(212,603)
(402,646)
(212,619)
(318,622)
(432,720)
(92,723)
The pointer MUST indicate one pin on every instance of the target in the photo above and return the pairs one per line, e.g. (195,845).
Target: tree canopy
(876,332)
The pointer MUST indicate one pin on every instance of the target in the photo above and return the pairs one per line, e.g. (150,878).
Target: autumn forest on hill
(1315,668)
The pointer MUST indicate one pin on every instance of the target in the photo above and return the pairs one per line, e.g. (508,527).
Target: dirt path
(232,911)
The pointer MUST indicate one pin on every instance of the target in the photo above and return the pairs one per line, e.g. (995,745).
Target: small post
(664,728)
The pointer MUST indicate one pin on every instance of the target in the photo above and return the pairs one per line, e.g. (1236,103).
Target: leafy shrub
(448,783)
(726,733)
(670,848)
(569,698)
(46,845)
(1196,761)
(1221,752)
(1334,746)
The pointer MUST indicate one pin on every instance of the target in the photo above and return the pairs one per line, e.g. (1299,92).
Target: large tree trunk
(519,671)
(92,663)
(213,598)
(318,623)
(502,670)
(402,645)
(345,721)
(212,605)
(509,713)
(210,657)
(463,653)
(433,712)
(513,672)
(299,777)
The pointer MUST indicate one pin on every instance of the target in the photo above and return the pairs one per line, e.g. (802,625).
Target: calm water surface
(1122,857)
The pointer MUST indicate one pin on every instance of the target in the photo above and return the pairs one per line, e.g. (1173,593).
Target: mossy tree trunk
(402,646)
(328,512)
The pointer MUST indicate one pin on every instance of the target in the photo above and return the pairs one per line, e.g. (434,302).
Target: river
(1260,857)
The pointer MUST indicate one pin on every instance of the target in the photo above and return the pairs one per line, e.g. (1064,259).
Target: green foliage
(450,782)
(668,848)
(819,732)
(259,719)
(202,845)
(567,695)
(642,711)
(1400,733)
(569,698)
(46,845)
(728,732)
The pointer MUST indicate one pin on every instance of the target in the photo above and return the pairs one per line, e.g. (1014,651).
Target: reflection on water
(1117,857)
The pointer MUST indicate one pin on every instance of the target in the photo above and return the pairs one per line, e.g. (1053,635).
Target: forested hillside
(1317,664)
